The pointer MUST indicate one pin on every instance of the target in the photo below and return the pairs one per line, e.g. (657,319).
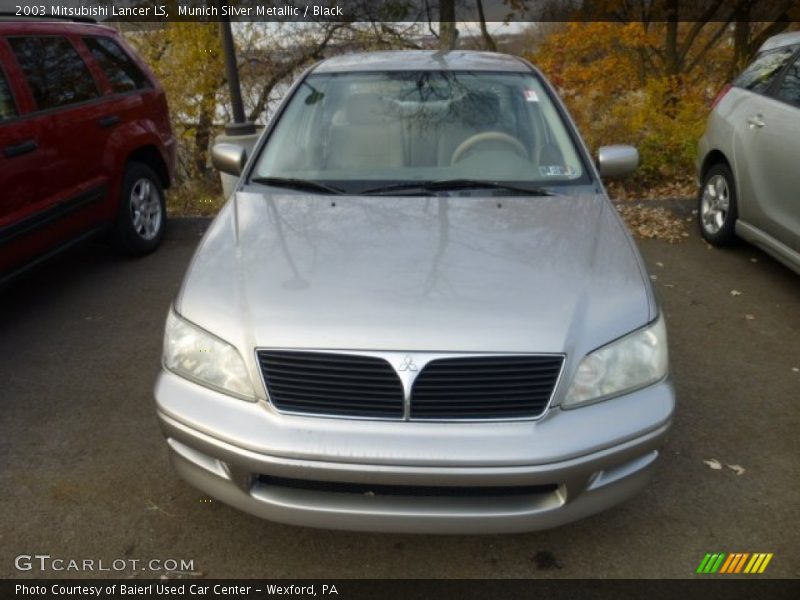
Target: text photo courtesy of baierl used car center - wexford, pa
(400,298)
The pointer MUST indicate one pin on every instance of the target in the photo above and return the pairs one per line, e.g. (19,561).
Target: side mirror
(229,158)
(617,161)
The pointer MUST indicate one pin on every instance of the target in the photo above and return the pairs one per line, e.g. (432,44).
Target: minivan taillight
(720,96)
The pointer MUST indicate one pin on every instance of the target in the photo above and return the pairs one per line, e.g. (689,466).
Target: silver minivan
(748,157)
(418,310)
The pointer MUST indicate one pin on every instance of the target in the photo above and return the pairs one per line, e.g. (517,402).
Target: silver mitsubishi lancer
(418,310)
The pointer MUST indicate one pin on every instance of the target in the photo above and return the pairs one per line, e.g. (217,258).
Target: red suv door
(70,134)
(19,160)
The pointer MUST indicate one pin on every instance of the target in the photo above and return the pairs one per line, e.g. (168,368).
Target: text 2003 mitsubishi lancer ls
(418,311)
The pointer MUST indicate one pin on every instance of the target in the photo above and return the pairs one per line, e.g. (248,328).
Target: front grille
(406,490)
(457,388)
(332,384)
(485,387)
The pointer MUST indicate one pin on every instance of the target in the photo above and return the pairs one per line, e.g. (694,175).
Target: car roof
(43,26)
(782,39)
(422,60)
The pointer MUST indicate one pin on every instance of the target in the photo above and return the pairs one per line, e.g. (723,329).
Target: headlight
(196,354)
(634,361)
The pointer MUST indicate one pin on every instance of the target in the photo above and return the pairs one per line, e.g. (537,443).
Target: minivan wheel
(717,210)
(142,214)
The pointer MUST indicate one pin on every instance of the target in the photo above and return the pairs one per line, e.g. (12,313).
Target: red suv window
(56,74)
(7,107)
(121,71)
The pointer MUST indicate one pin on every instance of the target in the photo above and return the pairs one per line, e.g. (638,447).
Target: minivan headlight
(637,360)
(202,357)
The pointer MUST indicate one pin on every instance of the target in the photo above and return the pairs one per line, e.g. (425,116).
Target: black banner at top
(404,10)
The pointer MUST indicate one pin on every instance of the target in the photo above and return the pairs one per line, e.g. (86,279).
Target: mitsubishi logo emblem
(407,364)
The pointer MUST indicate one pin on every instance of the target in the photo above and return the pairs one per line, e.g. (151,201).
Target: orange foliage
(613,78)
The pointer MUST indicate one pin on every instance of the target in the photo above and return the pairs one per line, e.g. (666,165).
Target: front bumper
(592,458)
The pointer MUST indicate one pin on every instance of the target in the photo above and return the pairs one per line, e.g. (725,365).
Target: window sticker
(531,96)
(555,171)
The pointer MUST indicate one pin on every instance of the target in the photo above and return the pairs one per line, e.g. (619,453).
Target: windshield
(358,131)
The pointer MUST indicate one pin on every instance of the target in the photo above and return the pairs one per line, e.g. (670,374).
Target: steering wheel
(488,136)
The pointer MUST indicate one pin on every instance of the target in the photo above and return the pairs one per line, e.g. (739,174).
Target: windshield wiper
(298,184)
(457,184)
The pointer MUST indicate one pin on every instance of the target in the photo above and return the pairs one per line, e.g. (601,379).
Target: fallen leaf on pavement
(652,223)
(154,506)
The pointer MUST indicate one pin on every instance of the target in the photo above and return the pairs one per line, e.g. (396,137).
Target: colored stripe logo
(736,562)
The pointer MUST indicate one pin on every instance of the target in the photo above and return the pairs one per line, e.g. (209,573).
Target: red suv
(85,142)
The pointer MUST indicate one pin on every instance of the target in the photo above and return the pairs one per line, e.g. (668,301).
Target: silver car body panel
(426,276)
(560,435)
(417,274)
(423,60)
(597,456)
(759,136)
(788,256)
(790,38)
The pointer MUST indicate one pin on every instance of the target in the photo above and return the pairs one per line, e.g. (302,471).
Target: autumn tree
(645,71)
(187,59)
(688,30)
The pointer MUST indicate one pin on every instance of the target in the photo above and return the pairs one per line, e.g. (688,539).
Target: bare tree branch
(697,27)
(709,44)
(434,33)
(290,67)
(488,42)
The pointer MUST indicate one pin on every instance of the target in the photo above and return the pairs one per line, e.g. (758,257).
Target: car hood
(450,273)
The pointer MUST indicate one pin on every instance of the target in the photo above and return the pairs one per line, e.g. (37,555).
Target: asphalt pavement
(84,472)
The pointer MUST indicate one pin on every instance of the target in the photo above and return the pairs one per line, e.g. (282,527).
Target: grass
(199,198)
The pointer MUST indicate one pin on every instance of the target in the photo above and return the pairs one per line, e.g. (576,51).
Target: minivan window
(789,90)
(7,107)
(759,75)
(361,129)
(121,71)
(55,72)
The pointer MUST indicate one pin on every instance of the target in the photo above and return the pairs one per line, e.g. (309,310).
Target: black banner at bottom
(408,589)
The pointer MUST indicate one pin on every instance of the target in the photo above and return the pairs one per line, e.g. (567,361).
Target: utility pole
(240,125)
